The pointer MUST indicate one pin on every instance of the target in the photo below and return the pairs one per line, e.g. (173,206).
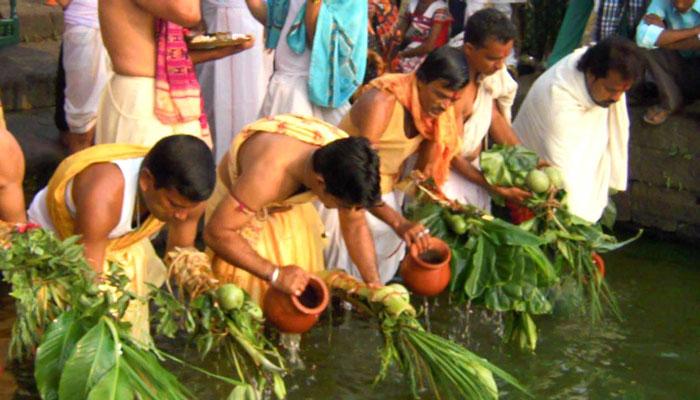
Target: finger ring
(426,231)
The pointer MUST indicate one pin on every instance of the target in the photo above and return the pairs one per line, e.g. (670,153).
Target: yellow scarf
(76,163)
(444,130)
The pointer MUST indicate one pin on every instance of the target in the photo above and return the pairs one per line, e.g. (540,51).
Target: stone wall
(664,185)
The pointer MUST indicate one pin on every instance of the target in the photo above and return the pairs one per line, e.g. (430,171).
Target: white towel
(560,122)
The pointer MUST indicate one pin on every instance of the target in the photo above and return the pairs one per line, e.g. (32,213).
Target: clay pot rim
(435,244)
(318,284)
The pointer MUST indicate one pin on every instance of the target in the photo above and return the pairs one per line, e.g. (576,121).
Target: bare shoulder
(12,164)
(372,112)
(100,185)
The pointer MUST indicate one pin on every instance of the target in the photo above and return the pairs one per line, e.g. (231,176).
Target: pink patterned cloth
(178,97)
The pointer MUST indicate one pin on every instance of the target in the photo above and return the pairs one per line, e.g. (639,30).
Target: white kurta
(233,87)
(390,249)
(560,121)
(288,89)
(499,87)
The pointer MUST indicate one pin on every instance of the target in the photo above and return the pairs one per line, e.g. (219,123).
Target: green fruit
(230,297)
(555,177)
(457,224)
(537,181)
(86,301)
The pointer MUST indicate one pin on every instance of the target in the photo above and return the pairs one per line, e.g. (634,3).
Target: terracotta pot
(428,273)
(296,314)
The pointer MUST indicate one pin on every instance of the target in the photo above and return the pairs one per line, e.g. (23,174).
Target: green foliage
(237,333)
(47,275)
(449,370)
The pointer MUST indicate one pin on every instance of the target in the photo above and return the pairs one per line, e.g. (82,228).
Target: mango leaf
(95,354)
(114,385)
(520,160)
(494,168)
(502,232)
(496,300)
(57,345)
(149,378)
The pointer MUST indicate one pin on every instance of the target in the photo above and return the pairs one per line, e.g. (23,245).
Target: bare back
(270,166)
(128,30)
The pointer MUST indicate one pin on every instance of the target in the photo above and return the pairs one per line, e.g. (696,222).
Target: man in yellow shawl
(117,196)
(261,225)
(11,176)
(403,115)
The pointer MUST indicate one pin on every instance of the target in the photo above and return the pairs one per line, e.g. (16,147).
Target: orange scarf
(442,130)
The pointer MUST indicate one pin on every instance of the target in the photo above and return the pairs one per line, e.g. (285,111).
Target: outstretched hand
(514,194)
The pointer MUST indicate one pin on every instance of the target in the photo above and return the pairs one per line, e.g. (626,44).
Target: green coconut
(555,177)
(400,289)
(537,181)
(457,224)
(230,297)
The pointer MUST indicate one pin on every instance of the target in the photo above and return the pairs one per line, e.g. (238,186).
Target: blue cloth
(339,51)
(647,34)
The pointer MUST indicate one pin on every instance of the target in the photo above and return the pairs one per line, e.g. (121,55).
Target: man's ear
(468,48)
(146,180)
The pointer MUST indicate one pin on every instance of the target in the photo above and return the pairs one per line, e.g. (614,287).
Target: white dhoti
(289,93)
(233,87)
(560,121)
(389,247)
(501,88)
(126,114)
(88,69)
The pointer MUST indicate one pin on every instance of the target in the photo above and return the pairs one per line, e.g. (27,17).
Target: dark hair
(488,23)
(613,53)
(350,170)
(445,63)
(184,163)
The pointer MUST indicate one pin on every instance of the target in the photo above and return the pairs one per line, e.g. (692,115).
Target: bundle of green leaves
(47,275)
(569,242)
(222,318)
(449,370)
(494,263)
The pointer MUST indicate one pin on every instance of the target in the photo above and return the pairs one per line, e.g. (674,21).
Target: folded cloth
(178,96)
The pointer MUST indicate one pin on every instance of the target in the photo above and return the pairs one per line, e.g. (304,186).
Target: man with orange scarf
(154,91)
(403,115)
(116,196)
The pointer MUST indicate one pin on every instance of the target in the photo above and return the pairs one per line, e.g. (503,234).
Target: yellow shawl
(76,163)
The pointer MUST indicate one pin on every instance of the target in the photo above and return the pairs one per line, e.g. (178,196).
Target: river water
(654,353)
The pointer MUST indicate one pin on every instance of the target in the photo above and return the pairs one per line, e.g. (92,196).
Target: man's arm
(501,131)
(358,239)
(313,7)
(98,193)
(427,46)
(465,168)
(235,211)
(692,43)
(259,10)
(668,37)
(11,176)
(182,12)
(371,113)
(183,233)
(200,56)
(409,231)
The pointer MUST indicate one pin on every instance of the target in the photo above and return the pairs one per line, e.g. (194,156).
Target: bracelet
(274,275)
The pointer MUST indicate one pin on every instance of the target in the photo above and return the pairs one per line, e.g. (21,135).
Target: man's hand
(414,233)
(653,19)
(291,280)
(514,194)
(200,56)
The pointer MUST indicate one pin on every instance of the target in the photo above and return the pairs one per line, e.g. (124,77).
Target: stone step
(37,20)
(27,75)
